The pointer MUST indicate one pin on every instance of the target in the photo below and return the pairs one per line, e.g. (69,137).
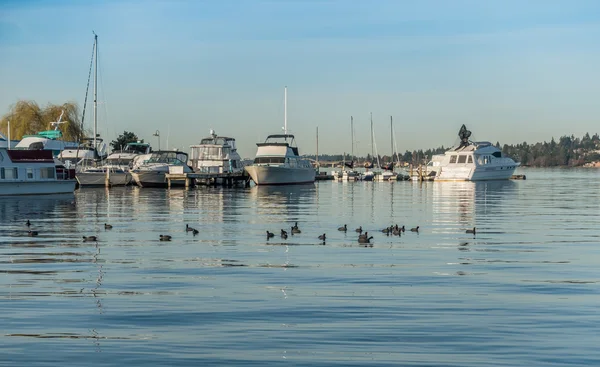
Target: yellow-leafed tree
(27,117)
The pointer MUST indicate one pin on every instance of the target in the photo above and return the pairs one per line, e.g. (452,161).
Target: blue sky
(512,71)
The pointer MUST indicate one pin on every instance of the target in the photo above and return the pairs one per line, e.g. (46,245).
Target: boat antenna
(392,141)
(372,152)
(57,123)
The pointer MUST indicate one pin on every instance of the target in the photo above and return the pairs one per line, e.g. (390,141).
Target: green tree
(27,117)
(123,139)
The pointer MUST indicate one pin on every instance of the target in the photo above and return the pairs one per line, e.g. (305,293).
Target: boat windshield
(136,148)
(173,158)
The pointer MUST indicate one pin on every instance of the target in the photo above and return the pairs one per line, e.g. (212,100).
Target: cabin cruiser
(87,154)
(152,172)
(277,162)
(470,161)
(215,154)
(116,167)
(30,172)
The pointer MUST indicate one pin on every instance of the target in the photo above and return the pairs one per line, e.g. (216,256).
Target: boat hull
(274,175)
(99,178)
(477,174)
(153,179)
(37,187)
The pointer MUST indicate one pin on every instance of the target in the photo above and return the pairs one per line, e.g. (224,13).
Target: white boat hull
(99,178)
(476,174)
(150,178)
(37,187)
(274,175)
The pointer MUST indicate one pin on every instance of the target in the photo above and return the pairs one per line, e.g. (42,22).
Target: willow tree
(27,117)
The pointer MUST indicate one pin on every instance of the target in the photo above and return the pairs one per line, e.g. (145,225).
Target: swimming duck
(295,230)
(165,237)
(270,235)
(471,230)
(295,225)
(195,232)
(359,229)
(188,228)
(32,233)
(364,239)
(402,229)
(416,229)
(284,234)
(322,237)
(364,235)
(396,231)
(387,230)
(28,223)
(344,228)
(107,226)
(90,238)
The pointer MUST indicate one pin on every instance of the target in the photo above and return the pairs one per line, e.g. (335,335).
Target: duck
(195,232)
(295,225)
(401,229)
(107,226)
(365,239)
(90,238)
(295,230)
(344,228)
(364,235)
(28,223)
(165,237)
(396,231)
(188,228)
(359,229)
(270,235)
(284,234)
(416,229)
(32,233)
(386,230)
(322,237)
(471,230)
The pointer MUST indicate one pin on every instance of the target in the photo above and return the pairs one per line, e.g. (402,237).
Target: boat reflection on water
(32,207)
(471,204)
(287,199)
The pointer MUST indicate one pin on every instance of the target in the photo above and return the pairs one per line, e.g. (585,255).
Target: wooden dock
(209,179)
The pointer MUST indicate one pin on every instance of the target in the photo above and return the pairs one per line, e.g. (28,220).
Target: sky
(511,71)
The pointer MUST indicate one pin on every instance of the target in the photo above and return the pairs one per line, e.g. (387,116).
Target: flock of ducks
(363,238)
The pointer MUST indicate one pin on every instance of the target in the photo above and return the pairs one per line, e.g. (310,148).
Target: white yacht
(215,154)
(151,173)
(277,160)
(47,140)
(116,167)
(470,161)
(28,172)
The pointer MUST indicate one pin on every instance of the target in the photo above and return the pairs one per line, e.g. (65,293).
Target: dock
(209,179)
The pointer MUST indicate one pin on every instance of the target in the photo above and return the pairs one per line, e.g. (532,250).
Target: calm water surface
(524,291)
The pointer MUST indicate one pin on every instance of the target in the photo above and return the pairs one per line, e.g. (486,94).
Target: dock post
(168,182)
(107,178)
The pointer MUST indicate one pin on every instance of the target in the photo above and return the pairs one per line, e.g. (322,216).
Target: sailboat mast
(352,135)
(285,110)
(392,142)
(95,88)
(372,152)
(317,147)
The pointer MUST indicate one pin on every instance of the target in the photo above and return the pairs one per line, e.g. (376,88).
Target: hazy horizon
(510,71)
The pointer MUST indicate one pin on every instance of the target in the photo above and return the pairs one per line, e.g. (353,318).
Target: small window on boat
(29,173)
(10,173)
(267,160)
(462,158)
(452,159)
(470,160)
(2,173)
(497,154)
(47,172)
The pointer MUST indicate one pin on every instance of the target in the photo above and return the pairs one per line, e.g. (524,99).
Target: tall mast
(392,142)
(285,110)
(352,134)
(317,147)
(95,87)
(372,152)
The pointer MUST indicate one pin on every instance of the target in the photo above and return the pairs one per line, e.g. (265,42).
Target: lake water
(524,291)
